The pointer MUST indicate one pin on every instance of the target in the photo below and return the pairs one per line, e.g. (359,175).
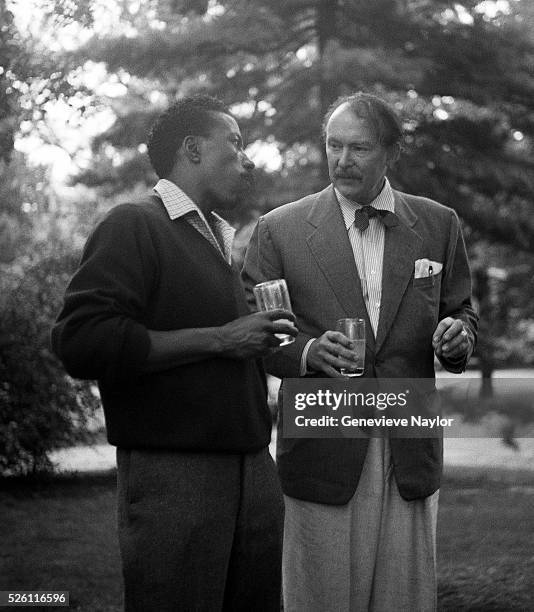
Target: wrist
(221,340)
(311,365)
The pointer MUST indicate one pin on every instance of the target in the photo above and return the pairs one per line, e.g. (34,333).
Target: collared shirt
(368,249)
(179,204)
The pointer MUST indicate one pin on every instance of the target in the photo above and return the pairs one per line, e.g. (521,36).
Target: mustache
(347,175)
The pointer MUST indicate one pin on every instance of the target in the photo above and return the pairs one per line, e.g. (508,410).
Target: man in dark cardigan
(156,313)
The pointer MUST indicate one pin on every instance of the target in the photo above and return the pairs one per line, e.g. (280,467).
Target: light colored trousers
(375,554)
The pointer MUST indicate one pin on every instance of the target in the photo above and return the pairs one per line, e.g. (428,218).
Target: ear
(191,148)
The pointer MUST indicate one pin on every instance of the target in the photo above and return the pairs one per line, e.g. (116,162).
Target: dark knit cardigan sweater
(142,271)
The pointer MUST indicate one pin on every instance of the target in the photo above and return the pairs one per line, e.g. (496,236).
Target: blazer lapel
(329,243)
(402,243)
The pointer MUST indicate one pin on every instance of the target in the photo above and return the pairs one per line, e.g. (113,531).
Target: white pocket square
(426,267)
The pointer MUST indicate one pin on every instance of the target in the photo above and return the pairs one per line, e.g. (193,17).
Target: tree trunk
(486,367)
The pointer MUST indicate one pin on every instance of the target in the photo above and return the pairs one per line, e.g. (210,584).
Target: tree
(41,408)
(444,65)
(10,50)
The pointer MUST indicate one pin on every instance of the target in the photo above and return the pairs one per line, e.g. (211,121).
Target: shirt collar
(384,200)
(178,204)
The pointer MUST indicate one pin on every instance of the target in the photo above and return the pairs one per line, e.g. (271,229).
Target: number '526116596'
(34,598)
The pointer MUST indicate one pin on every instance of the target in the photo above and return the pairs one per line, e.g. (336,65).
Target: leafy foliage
(10,51)
(41,408)
(446,66)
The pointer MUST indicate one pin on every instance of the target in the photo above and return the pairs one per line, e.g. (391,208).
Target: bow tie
(363,214)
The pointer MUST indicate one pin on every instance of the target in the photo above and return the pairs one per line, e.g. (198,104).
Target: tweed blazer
(306,243)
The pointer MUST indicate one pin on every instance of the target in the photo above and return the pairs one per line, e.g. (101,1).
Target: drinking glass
(354,329)
(271,295)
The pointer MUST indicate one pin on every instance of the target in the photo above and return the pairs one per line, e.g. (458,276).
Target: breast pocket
(433,280)
(424,300)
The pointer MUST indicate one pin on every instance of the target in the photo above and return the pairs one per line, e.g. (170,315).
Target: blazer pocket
(427,281)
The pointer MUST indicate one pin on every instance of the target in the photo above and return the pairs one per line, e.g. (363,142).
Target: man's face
(227,171)
(357,162)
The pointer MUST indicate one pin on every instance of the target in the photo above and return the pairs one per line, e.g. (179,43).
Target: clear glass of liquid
(272,295)
(354,330)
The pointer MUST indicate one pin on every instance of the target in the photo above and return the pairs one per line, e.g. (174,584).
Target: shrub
(41,407)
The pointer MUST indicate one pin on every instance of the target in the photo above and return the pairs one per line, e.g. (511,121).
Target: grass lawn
(60,535)
(486,541)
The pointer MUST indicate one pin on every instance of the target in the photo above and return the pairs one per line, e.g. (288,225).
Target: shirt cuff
(304,358)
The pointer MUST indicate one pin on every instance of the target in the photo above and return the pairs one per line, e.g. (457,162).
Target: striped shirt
(179,204)
(368,249)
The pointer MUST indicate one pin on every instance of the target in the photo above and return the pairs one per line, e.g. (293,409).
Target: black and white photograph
(267,305)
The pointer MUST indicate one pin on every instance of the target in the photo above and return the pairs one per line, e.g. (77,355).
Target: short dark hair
(381,116)
(189,116)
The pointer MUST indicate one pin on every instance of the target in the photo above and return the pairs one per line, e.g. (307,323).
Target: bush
(41,407)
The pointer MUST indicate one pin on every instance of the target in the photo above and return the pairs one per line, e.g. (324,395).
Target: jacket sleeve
(100,332)
(263,262)
(456,293)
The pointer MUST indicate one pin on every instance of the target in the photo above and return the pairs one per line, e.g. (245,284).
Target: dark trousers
(199,531)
